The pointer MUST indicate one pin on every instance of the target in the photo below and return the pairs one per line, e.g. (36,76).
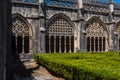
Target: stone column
(49,44)
(65,44)
(69,44)
(16,44)
(106,45)
(30,44)
(111,10)
(118,43)
(5,40)
(94,44)
(23,45)
(98,44)
(111,26)
(90,45)
(54,44)
(42,24)
(80,6)
(83,36)
(60,44)
(102,44)
(42,41)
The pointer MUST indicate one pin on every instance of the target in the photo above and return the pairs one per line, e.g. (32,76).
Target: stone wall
(39,14)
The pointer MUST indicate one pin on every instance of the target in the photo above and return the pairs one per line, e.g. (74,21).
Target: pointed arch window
(59,35)
(21,35)
(96,37)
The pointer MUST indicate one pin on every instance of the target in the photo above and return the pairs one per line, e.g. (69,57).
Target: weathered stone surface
(39,15)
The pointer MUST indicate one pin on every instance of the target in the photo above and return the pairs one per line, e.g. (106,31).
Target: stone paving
(37,72)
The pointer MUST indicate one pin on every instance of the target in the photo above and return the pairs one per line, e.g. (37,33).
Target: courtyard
(82,66)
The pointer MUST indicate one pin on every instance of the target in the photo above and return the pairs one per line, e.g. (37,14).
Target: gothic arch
(22,34)
(96,35)
(63,16)
(60,34)
(97,19)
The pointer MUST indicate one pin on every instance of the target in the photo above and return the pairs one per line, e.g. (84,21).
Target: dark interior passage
(96,44)
(59,44)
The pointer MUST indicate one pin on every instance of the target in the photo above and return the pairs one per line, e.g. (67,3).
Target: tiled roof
(62,3)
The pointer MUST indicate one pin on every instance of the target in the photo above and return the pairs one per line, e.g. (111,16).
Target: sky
(117,1)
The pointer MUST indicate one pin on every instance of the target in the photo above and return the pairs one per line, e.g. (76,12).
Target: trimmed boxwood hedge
(82,66)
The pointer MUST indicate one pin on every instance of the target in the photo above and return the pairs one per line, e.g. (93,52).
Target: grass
(83,66)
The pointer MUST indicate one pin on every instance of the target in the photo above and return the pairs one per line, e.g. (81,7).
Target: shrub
(82,66)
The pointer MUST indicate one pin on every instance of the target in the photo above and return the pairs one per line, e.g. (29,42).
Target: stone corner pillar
(83,38)
(111,28)
(5,37)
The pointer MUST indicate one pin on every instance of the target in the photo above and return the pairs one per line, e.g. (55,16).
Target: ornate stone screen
(21,35)
(96,37)
(59,35)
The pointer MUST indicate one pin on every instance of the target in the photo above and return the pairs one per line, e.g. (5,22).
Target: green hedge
(82,66)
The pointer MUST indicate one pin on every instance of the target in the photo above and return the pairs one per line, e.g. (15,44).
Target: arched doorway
(21,38)
(96,36)
(59,34)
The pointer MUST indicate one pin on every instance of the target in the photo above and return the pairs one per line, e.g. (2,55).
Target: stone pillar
(111,6)
(90,45)
(54,44)
(40,1)
(83,37)
(98,44)
(30,46)
(69,44)
(23,45)
(42,40)
(16,43)
(9,56)
(94,45)
(80,6)
(60,44)
(102,44)
(116,40)
(111,10)
(5,40)
(41,36)
(65,44)
(111,26)
(49,44)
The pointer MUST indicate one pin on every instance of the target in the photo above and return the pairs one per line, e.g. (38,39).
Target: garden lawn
(82,66)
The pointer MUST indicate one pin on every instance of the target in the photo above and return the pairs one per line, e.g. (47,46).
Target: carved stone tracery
(60,35)
(60,26)
(22,35)
(19,28)
(95,30)
(96,37)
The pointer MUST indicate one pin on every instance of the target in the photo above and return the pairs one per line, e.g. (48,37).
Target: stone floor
(37,72)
